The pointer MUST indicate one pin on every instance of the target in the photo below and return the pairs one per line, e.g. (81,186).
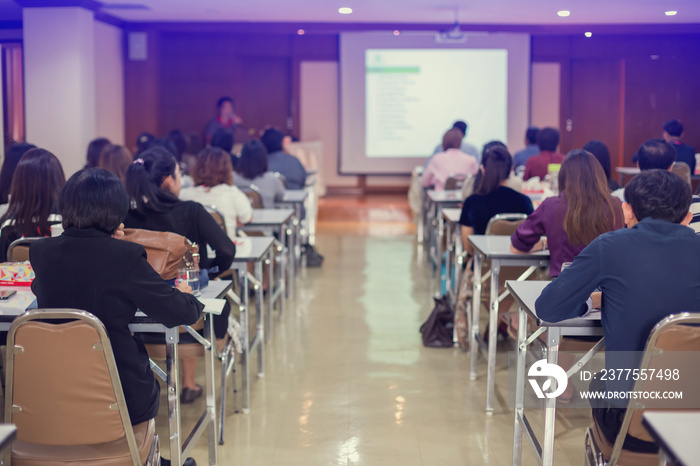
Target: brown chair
(682,169)
(254,196)
(677,334)
(456,182)
(18,251)
(504,224)
(218,217)
(64,394)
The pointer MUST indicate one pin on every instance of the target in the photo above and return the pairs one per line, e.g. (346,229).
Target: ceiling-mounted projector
(451,36)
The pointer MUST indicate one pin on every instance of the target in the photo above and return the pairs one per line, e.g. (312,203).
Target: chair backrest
(254,197)
(218,217)
(682,169)
(62,384)
(282,178)
(455,181)
(18,251)
(669,347)
(504,224)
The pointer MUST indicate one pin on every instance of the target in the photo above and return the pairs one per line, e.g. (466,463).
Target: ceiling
(511,12)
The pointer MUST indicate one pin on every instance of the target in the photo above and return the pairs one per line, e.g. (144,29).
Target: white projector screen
(399,94)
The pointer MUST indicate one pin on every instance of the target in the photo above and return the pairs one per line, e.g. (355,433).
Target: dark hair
(9,165)
(93,198)
(655,154)
(222,101)
(213,168)
(94,150)
(253,160)
(600,152)
(34,194)
(143,142)
(144,178)
(194,143)
(591,210)
(223,139)
(177,136)
(673,128)
(168,145)
(531,134)
(496,169)
(115,159)
(487,147)
(272,139)
(659,194)
(460,125)
(452,139)
(548,139)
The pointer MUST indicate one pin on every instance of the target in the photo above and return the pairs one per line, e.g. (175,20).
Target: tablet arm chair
(64,394)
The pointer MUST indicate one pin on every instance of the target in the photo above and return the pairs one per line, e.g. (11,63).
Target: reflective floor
(348,381)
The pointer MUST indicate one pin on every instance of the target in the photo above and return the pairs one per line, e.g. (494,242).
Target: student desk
(179,451)
(295,198)
(436,201)
(255,250)
(525,294)
(280,222)
(455,252)
(497,250)
(677,435)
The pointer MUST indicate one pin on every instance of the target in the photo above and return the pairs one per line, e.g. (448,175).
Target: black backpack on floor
(437,330)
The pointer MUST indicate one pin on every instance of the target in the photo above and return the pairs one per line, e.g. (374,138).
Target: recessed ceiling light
(301,32)
(563,13)
(671,13)
(397,32)
(588,34)
(345,10)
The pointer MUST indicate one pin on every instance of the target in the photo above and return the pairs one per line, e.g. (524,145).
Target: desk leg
(438,248)
(270,288)
(245,325)
(282,278)
(289,237)
(260,319)
(493,336)
(519,387)
(553,336)
(209,386)
(476,311)
(172,367)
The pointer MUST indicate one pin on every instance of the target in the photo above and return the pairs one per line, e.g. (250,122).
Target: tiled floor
(348,382)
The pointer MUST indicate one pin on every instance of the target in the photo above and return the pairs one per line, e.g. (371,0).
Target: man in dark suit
(673,133)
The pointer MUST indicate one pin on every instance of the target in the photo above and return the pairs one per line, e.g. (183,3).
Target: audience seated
(33,206)
(583,210)
(656,252)
(531,149)
(450,162)
(224,140)
(153,186)
(464,146)
(115,159)
(252,170)
(213,179)
(492,197)
(281,162)
(87,268)
(673,133)
(547,141)
(514,182)
(12,157)
(94,150)
(143,142)
(601,153)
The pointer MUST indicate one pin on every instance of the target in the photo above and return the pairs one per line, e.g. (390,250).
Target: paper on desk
(213,305)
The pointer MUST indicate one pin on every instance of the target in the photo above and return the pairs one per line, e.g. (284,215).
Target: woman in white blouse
(213,179)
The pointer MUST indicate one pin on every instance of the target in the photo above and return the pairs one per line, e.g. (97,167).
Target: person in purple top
(583,210)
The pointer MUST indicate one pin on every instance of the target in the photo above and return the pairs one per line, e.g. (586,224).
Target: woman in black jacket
(153,186)
(87,268)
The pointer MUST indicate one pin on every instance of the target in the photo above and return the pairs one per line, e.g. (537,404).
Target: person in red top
(225,119)
(547,140)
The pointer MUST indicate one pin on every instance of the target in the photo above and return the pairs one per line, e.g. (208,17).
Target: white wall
(59,69)
(545,95)
(109,82)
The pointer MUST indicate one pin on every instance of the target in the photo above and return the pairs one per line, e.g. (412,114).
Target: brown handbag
(165,251)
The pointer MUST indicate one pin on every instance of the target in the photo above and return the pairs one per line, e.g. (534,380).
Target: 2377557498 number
(639,374)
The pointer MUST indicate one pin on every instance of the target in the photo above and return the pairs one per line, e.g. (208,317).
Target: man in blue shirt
(532,148)
(645,272)
(281,162)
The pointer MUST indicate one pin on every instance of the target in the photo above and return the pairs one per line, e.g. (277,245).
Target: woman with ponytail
(153,186)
